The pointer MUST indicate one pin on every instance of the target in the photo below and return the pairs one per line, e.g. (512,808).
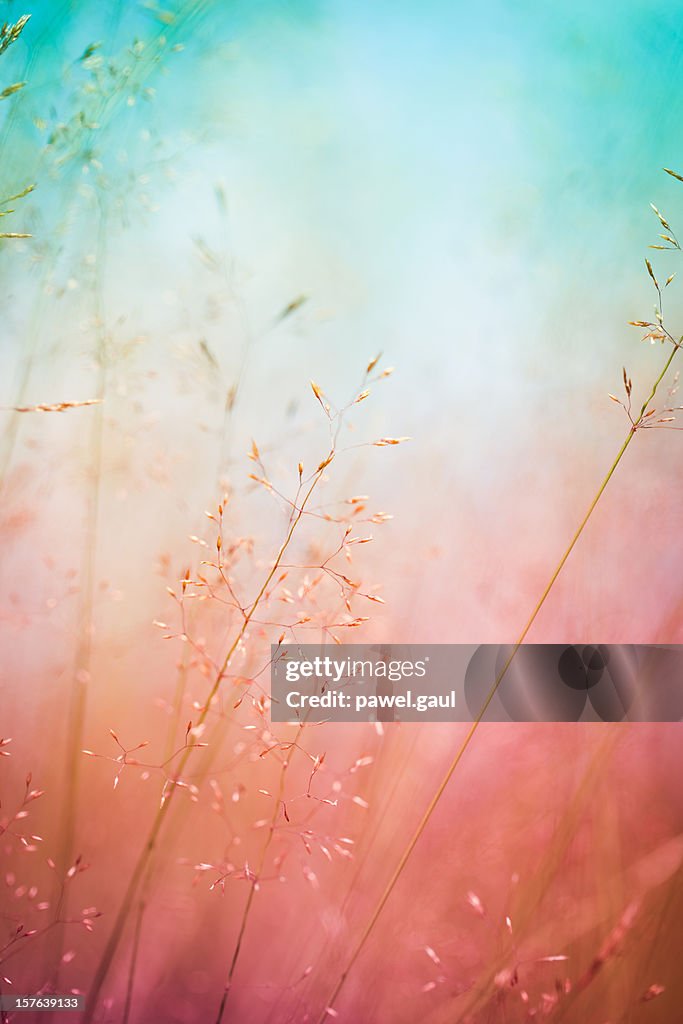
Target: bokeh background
(232,200)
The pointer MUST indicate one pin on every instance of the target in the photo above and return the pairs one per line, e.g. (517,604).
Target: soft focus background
(232,200)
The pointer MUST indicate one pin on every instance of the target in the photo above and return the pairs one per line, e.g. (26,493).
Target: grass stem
(161,814)
(457,757)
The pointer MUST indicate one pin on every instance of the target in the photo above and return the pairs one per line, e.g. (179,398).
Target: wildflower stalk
(167,35)
(83,660)
(130,987)
(480,995)
(255,881)
(162,813)
(431,806)
(181,685)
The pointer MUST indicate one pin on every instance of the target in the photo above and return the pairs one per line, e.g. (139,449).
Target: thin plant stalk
(254,884)
(161,814)
(192,11)
(83,659)
(279,800)
(360,864)
(181,686)
(562,839)
(431,806)
(11,431)
(130,987)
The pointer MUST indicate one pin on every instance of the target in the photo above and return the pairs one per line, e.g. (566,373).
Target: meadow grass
(219,693)
(647,416)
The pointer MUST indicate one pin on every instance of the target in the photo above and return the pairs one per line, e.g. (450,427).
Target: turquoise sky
(465,187)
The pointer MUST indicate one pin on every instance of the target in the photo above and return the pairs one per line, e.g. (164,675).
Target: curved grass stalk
(279,799)
(205,758)
(475,999)
(191,12)
(178,698)
(55,19)
(431,806)
(161,814)
(142,907)
(83,661)
(82,665)
(279,796)
(360,863)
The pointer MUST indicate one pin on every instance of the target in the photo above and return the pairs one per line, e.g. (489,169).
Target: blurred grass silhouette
(197,862)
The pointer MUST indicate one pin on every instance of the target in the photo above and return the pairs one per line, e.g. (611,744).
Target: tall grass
(243,870)
(298,507)
(647,416)
(9,34)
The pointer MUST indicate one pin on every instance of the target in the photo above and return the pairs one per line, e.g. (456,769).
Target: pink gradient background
(496,275)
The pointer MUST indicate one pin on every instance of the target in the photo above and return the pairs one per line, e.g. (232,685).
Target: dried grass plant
(9,33)
(646,416)
(221,757)
(216,583)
